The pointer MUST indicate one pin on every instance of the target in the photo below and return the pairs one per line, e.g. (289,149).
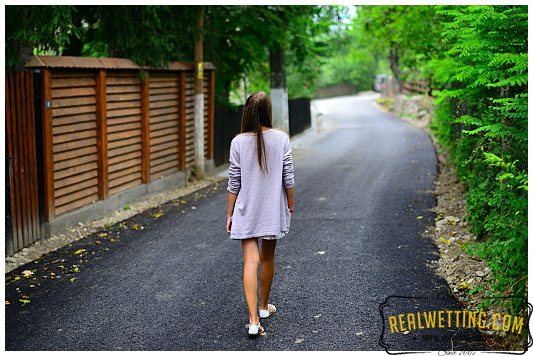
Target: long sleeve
(234,172)
(288,168)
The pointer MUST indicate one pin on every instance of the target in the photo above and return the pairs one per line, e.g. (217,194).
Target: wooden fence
(413,87)
(22,204)
(104,130)
(389,87)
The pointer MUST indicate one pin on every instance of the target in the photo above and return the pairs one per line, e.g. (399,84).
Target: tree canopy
(408,35)
(237,38)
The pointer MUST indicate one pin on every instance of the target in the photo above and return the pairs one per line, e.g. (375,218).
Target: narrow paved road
(355,239)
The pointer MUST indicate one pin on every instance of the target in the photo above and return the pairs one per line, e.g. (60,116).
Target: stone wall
(415,107)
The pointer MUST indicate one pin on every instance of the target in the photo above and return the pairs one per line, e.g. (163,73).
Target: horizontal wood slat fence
(110,131)
(104,131)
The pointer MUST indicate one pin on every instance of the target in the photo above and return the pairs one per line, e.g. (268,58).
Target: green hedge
(481,117)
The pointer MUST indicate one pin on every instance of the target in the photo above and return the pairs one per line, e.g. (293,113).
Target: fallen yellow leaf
(103,234)
(79,251)
(97,242)
(419,217)
(27,273)
(445,241)
(298,341)
(463,286)
(183,201)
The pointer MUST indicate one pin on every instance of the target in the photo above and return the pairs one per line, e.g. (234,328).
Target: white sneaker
(255,329)
(267,312)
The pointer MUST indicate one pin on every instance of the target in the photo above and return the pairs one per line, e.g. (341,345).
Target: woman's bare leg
(250,251)
(268,247)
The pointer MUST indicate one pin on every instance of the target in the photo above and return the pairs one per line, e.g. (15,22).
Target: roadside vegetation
(477,58)
(482,120)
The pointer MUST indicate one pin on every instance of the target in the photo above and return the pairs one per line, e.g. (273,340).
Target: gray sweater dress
(261,207)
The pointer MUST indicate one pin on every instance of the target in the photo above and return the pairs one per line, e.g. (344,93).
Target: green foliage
(47,29)
(408,36)
(149,35)
(304,30)
(350,61)
(236,38)
(481,118)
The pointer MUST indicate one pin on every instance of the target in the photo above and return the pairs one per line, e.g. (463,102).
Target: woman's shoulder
(235,140)
(280,132)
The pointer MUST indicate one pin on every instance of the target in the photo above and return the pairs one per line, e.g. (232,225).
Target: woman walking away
(260,199)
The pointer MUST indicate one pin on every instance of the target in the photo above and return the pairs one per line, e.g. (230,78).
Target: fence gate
(22,200)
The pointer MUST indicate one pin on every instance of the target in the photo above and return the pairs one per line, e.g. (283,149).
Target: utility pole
(199,97)
(278,89)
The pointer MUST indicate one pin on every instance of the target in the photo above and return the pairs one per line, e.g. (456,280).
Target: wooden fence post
(145,129)
(182,107)
(48,163)
(101,135)
(32,154)
(23,157)
(13,138)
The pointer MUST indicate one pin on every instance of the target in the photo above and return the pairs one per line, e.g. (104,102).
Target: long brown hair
(256,114)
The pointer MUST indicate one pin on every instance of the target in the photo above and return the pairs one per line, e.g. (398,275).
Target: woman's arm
(234,181)
(288,174)
(231,205)
(290,197)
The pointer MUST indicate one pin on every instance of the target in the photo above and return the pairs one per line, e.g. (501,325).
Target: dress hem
(268,236)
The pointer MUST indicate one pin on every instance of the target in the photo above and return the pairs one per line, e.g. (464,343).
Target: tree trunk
(199,97)
(278,89)
(25,49)
(394,66)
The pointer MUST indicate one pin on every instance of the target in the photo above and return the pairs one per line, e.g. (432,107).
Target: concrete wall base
(106,207)
(209,167)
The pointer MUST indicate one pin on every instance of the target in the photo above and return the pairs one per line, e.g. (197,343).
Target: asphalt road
(361,185)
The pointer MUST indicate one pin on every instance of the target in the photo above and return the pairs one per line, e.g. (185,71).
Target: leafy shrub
(481,118)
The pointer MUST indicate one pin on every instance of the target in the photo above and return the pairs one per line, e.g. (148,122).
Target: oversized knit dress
(261,208)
